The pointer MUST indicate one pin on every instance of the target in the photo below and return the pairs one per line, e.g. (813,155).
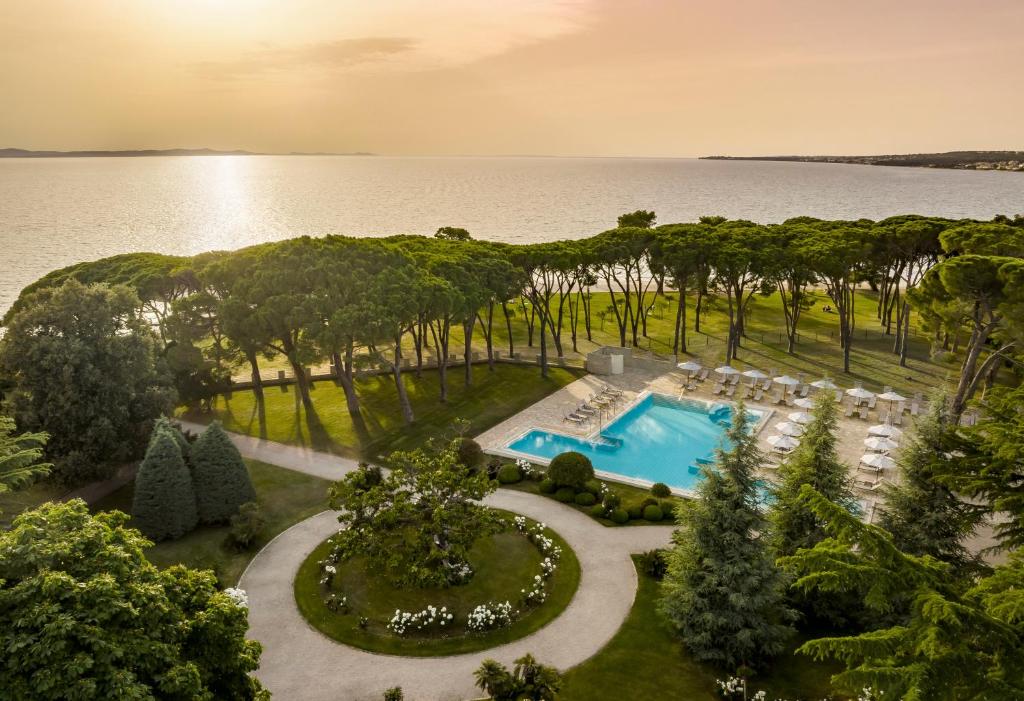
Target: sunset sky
(571,77)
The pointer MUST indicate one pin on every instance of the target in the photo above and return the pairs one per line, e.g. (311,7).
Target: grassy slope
(493,397)
(287,497)
(646,661)
(504,565)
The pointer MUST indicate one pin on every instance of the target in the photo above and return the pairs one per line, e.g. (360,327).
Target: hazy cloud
(329,55)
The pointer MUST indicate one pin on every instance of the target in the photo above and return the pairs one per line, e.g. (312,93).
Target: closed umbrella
(885,430)
(801,417)
(803,403)
(783,442)
(824,383)
(788,428)
(881,444)
(689,367)
(878,460)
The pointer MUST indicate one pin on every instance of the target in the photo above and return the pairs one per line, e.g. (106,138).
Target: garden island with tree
(107,369)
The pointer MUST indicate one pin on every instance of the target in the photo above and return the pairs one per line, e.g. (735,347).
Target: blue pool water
(661,439)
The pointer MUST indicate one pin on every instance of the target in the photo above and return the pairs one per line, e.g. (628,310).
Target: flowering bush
(239,596)
(403,621)
(489,616)
(528,470)
(336,603)
(736,687)
(547,567)
(537,594)
(327,574)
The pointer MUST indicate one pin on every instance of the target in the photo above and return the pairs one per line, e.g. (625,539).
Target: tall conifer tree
(220,477)
(165,502)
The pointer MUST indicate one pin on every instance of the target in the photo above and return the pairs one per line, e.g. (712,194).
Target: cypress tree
(924,516)
(814,462)
(221,479)
(165,502)
(722,591)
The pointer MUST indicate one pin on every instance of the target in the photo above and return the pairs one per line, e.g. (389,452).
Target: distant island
(25,153)
(963,160)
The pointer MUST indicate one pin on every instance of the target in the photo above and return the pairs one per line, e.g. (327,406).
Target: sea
(59,211)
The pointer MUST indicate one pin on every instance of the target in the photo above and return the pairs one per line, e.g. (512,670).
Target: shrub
(394,694)
(660,490)
(547,485)
(586,499)
(612,500)
(219,476)
(649,501)
(470,454)
(565,494)
(571,469)
(597,510)
(618,516)
(246,525)
(635,511)
(652,512)
(593,486)
(668,508)
(509,474)
(653,563)
(164,505)
(493,466)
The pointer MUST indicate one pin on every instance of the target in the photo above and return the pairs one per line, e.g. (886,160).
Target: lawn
(493,397)
(14,502)
(504,565)
(287,497)
(646,661)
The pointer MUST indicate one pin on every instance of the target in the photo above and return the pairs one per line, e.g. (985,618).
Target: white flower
(238,596)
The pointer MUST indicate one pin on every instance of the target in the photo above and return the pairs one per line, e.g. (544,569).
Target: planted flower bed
(520,579)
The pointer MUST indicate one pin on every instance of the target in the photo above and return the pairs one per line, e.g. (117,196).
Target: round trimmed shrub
(509,474)
(597,510)
(565,494)
(471,454)
(635,511)
(586,499)
(660,490)
(652,513)
(571,469)
(618,516)
(593,486)
(547,485)
(649,501)
(612,500)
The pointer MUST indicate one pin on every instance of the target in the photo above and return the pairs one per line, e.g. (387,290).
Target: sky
(654,78)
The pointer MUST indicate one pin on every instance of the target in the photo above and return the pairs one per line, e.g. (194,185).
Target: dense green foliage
(84,615)
(219,477)
(722,591)
(164,505)
(924,516)
(20,456)
(418,522)
(570,469)
(958,639)
(814,462)
(529,680)
(85,368)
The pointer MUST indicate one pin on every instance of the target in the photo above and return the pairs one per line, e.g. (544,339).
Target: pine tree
(165,502)
(722,591)
(220,477)
(814,462)
(163,423)
(923,516)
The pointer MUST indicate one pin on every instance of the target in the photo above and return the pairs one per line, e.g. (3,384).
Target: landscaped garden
(523,577)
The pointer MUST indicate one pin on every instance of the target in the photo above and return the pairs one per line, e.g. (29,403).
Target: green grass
(287,497)
(493,397)
(504,564)
(630,495)
(13,503)
(645,660)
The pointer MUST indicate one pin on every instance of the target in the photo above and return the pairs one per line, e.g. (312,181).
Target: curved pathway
(301,663)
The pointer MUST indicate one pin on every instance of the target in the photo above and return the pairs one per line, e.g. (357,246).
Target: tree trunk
(905,340)
(467,347)
(343,374)
(586,315)
(698,308)
(543,349)
(508,328)
(301,382)
(403,396)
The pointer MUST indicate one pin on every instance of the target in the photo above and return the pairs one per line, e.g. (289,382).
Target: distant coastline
(961,160)
(143,153)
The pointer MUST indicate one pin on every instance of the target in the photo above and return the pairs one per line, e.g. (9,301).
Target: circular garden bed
(523,577)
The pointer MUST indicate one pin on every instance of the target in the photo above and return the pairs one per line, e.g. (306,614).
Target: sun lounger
(867,485)
(839,396)
(691,387)
(584,410)
(731,391)
(915,408)
(703,374)
(766,385)
(611,391)
(718,388)
(869,469)
(848,413)
(862,412)
(884,418)
(804,390)
(778,398)
(897,419)
(574,418)
(734,380)
(758,395)
(871,402)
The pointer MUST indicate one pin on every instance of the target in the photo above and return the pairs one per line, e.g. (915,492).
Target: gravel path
(300,663)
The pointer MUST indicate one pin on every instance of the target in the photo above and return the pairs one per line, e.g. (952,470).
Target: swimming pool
(659,439)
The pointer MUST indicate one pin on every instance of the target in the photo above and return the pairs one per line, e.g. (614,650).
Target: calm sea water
(54,212)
